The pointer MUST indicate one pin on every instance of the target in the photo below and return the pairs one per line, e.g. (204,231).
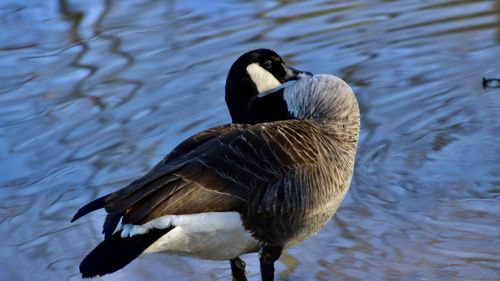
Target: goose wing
(218,170)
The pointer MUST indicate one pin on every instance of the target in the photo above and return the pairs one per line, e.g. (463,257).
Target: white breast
(213,235)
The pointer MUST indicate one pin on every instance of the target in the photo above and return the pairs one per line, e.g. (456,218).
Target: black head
(251,77)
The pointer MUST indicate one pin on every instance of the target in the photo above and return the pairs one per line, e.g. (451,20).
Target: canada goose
(238,188)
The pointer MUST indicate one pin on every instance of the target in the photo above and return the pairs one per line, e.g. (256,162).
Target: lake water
(94,93)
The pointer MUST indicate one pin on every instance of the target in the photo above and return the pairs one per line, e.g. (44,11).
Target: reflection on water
(93,93)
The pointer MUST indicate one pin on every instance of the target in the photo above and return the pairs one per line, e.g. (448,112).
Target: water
(94,93)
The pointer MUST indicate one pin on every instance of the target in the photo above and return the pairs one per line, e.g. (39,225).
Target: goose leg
(268,255)
(238,269)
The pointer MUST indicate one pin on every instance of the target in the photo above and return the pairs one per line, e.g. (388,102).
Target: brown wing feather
(217,171)
(161,174)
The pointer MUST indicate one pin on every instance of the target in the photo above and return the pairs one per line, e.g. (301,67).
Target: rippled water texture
(93,93)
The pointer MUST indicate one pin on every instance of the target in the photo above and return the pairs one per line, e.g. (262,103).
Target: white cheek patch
(263,79)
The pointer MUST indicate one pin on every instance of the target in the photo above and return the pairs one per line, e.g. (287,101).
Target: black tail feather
(110,224)
(115,252)
(90,207)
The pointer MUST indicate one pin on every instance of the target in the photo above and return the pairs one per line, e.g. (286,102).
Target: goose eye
(268,64)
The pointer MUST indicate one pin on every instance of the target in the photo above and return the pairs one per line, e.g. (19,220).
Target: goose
(239,188)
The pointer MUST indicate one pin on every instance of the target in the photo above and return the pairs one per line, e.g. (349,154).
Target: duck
(260,184)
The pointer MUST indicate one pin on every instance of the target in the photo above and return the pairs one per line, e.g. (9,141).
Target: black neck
(268,109)
(257,110)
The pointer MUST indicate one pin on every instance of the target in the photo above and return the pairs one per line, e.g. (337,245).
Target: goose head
(250,82)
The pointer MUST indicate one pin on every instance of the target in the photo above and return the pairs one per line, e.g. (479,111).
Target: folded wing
(217,170)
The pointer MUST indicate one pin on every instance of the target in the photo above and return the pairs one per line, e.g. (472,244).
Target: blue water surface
(94,93)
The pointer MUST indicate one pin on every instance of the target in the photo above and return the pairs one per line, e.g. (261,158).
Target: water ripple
(95,92)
